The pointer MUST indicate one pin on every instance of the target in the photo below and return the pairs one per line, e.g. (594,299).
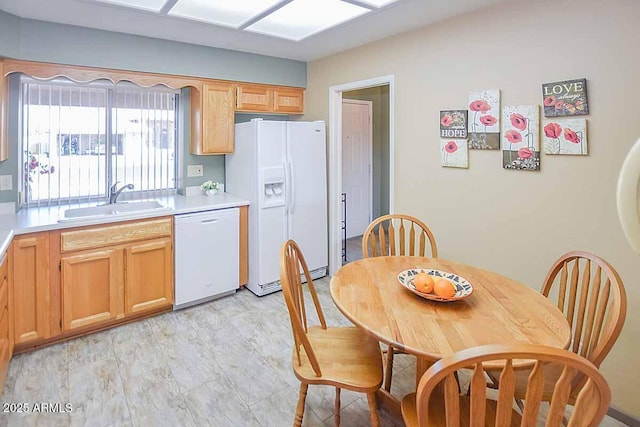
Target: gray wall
(379,97)
(66,44)
(12,165)
(9,34)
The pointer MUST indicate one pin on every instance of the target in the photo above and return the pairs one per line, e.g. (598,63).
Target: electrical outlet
(6,183)
(195,170)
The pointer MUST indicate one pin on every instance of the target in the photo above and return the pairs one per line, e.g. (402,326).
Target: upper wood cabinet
(30,300)
(4,111)
(288,100)
(254,98)
(269,99)
(212,118)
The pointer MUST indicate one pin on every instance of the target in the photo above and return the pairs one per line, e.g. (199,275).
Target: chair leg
(388,371)
(373,410)
(300,408)
(336,409)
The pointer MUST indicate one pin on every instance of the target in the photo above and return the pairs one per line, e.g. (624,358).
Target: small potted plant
(210,187)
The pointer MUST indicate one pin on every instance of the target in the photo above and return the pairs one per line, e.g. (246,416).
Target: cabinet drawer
(114,235)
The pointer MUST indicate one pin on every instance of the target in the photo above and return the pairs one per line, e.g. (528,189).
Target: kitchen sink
(109,210)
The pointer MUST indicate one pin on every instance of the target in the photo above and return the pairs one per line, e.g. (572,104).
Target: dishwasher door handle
(209,221)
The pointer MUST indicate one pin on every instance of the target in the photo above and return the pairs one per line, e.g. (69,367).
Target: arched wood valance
(79,74)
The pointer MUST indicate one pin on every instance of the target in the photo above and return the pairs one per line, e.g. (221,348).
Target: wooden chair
(396,234)
(343,357)
(591,294)
(438,403)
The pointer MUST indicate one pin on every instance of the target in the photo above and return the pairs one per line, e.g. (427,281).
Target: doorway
(380,92)
(357,148)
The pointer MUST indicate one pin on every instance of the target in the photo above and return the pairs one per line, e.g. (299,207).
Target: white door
(356,164)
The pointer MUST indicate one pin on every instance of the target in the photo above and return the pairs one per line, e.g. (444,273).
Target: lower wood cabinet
(148,275)
(5,333)
(31,288)
(109,282)
(92,288)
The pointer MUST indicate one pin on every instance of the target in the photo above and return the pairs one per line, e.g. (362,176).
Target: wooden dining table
(499,311)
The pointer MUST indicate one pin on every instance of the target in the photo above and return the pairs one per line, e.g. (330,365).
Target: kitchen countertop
(46,218)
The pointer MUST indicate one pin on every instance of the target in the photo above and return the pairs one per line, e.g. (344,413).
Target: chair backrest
(292,263)
(590,407)
(591,295)
(397,234)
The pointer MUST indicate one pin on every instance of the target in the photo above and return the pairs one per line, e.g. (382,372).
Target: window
(70,156)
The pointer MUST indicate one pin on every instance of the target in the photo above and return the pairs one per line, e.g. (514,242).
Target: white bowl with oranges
(435,285)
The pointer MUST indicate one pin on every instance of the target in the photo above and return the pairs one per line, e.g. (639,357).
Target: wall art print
(454,153)
(520,137)
(453,124)
(484,120)
(565,136)
(567,98)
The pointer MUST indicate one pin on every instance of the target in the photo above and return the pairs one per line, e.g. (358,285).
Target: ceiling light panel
(303,18)
(231,13)
(377,3)
(153,5)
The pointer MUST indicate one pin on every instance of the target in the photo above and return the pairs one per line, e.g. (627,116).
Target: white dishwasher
(206,256)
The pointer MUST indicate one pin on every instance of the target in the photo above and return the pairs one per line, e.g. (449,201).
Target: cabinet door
(92,288)
(212,118)
(5,343)
(31,296)
(148,275)
(254,98)
(288,100)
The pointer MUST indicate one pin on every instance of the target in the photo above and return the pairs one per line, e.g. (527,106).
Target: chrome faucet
(113,193)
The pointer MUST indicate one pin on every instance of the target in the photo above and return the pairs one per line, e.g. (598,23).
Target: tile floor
(354,249)
(224,363)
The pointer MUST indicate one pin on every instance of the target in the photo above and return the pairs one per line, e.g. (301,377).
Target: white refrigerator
(280,167)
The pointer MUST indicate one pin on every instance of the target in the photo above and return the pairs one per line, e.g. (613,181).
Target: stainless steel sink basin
(116,209)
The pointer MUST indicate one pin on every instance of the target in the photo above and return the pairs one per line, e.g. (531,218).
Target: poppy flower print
(513,136)
(571,136)
(566,98)
(566,136)
(451,147)
(550,101)
(518,121)
(484,120)
(453,124)
(479,105)
(488,120)
(520,141)
(525,153)
(454,154)
(552,130)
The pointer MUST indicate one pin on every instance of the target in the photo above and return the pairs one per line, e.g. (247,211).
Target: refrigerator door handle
(287,190)
(292,200)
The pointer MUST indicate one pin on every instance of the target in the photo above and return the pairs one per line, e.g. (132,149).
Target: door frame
(335,158)
(369,104)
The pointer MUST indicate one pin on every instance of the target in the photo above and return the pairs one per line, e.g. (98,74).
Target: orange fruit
(444,288)
(423,283)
